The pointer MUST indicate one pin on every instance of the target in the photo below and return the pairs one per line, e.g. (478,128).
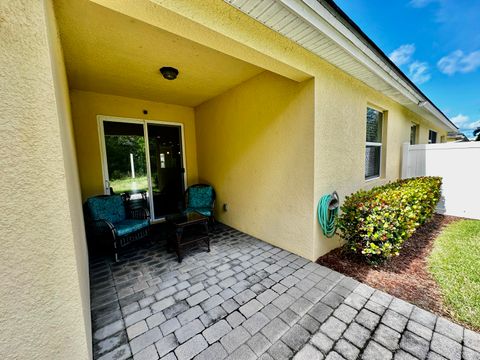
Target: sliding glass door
(144,162)
(166,167)
(125,157)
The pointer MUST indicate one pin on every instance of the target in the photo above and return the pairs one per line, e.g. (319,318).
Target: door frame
(103,151)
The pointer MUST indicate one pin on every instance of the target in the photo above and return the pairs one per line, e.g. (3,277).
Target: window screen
(413,134)
(373,149)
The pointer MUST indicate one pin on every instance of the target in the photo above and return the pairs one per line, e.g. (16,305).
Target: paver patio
(247,299)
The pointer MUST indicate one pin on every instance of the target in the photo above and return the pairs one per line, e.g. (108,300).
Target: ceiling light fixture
(169,73)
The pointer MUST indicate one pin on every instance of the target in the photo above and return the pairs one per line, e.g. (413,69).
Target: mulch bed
(404,276)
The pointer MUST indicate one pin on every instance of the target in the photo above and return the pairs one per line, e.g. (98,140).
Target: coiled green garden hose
(327,213)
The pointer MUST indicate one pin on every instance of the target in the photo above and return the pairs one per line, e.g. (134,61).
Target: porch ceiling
(108,52)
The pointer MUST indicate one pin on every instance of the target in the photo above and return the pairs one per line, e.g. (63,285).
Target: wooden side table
(187,232)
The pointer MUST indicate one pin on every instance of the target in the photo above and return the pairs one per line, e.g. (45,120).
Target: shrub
(375,223)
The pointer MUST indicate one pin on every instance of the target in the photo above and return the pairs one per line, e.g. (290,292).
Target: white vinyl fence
(459,166)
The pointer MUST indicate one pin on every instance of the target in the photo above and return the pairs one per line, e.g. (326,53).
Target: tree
(119,148)
(476,133)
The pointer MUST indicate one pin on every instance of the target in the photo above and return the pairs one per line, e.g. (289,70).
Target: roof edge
(334,9)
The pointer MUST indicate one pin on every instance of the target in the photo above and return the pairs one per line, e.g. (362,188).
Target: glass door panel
(126,161)
(166,168)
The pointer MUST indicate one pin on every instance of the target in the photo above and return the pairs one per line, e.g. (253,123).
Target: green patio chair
(107,214)
(201,199)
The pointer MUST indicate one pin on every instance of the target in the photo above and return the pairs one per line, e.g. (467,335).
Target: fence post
(405,160)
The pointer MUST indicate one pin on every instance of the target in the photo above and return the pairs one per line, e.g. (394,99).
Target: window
(432,137)
(373,150)
(413,134)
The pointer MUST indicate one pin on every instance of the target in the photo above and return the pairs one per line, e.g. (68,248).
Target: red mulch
(404,276)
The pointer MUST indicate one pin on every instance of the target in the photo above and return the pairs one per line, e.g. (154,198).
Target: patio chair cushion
(200,197)
(129,226)
(205,211)
(110,208)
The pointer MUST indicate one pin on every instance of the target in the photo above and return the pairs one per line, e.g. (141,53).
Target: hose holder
(334,201)
(327,213)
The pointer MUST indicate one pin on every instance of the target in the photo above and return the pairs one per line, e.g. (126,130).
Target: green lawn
(455,265)
(129,184)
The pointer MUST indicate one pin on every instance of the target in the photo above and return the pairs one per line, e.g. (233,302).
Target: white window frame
(436,136)
(417,131)
(380,145)
(376,144)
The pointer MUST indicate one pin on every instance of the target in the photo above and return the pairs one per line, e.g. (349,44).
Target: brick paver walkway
(247,299)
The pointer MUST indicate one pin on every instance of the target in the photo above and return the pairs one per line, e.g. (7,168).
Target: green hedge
(375,223)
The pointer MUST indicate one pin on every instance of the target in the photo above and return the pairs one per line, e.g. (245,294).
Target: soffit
(314,27)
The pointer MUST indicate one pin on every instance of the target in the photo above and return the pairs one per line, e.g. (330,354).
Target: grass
(129,184)
(455,264)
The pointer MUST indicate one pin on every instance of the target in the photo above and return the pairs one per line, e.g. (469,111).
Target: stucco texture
(85,108)
(131,55)
(271,146)
(340,141)
(340,103)
(42,314)
(255,145)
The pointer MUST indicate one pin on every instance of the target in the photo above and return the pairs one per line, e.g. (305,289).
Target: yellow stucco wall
(270,146)
(43,305)
(85,108)
(255,146)
(340,139)
(71,167)
(340,101)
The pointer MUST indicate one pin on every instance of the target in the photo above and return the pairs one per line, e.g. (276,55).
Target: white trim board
(323,34)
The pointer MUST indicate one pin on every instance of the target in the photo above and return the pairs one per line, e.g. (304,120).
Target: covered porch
(255,127)
(245,127)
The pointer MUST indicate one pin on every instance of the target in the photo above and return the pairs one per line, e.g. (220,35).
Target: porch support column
(44,310)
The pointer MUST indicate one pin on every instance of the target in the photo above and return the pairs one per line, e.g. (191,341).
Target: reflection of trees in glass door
(127,159)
